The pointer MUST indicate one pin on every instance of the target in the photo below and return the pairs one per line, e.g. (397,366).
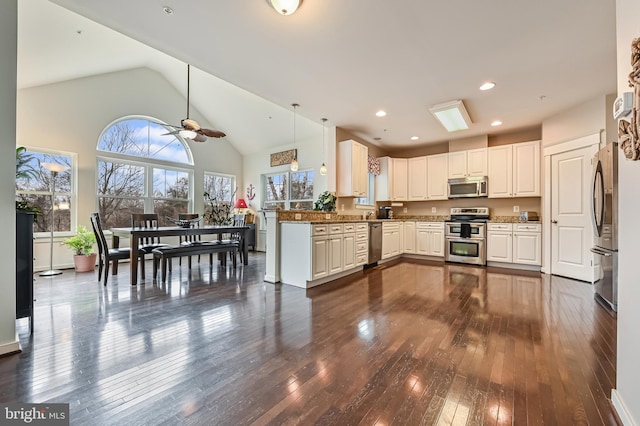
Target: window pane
(302,185)
(276,189)
(116,212)
(169,208)
(61,219)
(170,184)
(143,138)
(122,180)
(219,187)
(40,178)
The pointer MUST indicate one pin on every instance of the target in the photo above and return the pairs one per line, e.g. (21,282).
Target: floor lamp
(54,168)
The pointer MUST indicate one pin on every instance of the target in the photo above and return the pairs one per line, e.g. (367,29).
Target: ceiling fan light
(187,134)
(285,7)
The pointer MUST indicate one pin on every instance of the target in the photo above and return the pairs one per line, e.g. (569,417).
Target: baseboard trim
(11,347)
(621,409)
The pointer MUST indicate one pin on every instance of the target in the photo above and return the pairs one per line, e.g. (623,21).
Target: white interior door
(571,228)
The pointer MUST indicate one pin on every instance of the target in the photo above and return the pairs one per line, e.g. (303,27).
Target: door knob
(554,222)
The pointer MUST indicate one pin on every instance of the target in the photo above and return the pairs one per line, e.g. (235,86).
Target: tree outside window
(289,190)
(36,190)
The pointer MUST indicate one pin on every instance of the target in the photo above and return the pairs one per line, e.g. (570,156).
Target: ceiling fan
(189,128)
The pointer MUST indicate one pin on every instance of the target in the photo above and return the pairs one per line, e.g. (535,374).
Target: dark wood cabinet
(24,266)
(251,236)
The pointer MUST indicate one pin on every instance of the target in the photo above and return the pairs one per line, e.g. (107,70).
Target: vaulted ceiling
(339,59)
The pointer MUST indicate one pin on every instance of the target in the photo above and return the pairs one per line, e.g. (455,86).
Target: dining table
(136,233)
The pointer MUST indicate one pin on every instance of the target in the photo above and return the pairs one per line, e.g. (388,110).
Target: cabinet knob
(555,222)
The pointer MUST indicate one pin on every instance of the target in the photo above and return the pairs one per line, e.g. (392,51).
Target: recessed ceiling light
(377,139)
(381,113)
(167,10)
(488,85)
(496,123)
(414,138)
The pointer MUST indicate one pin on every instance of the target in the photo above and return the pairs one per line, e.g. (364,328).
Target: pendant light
(323,168)
(294,162)
(285,7)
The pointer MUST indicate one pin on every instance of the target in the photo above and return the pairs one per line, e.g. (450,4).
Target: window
(35,189)
(219,190)
(142,169)
(289,190)
(369,200)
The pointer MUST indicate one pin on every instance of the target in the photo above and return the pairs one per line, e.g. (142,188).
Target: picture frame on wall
(283,157)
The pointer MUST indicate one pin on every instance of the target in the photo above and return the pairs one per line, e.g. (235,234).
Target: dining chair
(237,237)
(108,255)
(147,244)
(189,238)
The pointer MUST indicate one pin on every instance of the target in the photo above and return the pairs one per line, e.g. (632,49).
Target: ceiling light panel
(452,115)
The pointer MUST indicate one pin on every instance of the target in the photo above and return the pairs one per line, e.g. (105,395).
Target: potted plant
(82,245)
(326,201)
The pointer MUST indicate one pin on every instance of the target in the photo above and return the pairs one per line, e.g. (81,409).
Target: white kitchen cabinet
(437,177)
(409,243)
(391,183)
(362,243)
(526,169)
(514,170)
(430,238)
(400,179)
(417,178)
(390,239)
(467,163)
(319,257)
(500,242)
(514,243)
(321,250)
(527,249)
(352,169)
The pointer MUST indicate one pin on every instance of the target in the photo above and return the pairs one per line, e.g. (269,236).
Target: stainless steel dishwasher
(375,242)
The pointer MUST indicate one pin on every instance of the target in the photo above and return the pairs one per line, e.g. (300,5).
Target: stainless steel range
(465,235)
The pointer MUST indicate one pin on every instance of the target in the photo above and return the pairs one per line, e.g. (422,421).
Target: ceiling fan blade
(212,133)
(175,132)
(199,138)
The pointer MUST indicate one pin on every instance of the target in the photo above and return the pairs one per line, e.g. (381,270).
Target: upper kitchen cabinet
(437,177)
(467,163)
(417,177)
(514,170)
(352,169)
(391,184)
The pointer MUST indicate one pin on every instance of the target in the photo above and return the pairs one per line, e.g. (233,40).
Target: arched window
(141,169)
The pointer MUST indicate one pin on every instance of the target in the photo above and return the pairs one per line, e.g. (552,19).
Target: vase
(84,262)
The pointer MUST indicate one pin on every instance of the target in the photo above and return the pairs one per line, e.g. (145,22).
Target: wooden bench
(162,254)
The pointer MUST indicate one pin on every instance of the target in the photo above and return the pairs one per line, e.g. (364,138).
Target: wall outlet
(516,209)
(327,216)
(404,210)
(433,210)
(342,207)
(298,216)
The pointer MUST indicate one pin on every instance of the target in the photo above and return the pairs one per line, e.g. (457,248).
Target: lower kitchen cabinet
(409,240)
(430,238)
(311,254)
(390,239)
(518,243)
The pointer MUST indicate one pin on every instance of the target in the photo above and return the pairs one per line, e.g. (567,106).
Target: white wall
(8,52)
(627,394)
(70,116)
(585,119)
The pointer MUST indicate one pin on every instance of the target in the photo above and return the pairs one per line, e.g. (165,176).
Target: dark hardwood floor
(408,343)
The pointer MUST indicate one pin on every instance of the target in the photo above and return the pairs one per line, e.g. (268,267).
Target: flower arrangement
(326,201)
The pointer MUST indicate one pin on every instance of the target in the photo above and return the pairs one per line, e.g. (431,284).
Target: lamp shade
(240,204)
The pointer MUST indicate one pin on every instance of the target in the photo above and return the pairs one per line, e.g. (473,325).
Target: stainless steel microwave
(475,186)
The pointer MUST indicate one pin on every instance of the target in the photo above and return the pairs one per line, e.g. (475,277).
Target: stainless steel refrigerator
(605,222)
